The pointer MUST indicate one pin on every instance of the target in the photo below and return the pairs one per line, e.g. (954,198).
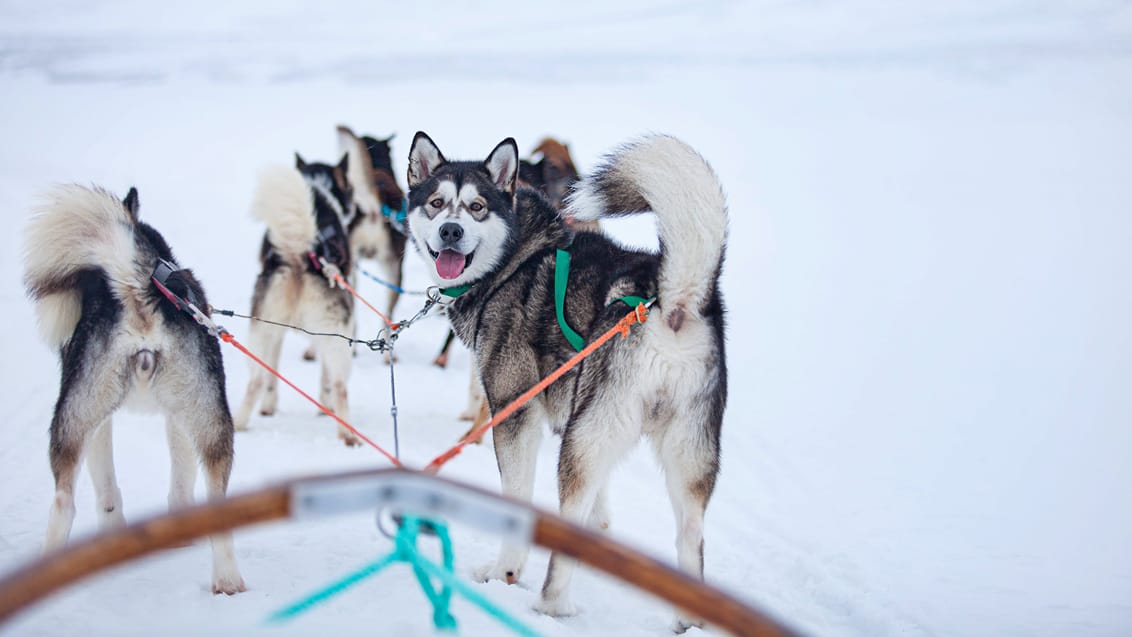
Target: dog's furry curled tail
(665,175)
(283,201)
(73,230)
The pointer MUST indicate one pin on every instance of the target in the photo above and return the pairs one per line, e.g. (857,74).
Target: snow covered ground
(930,422)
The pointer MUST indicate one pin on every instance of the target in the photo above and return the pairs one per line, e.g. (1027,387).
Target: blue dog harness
(396,218)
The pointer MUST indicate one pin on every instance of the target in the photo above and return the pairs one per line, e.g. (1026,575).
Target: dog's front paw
(599,518)
(494,570)
(228,584)
(681,624)
(475,441)
(558,607)
(111,517)
(346,436)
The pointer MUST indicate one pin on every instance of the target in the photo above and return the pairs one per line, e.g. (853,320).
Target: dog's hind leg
(100,464)
(688,454)
(92,388)
(201,423)
(273,347)
(441,359)
(390,263)
(182,466)
(516,451)
(324,395)
(263,340)
(216,455)
(590,449)
(65,456)
(599,515)
(476,398)
(336,361)
(391,269)
(197,419)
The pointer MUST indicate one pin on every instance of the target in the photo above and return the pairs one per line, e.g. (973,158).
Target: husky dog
(90,266)
(551,171)
(667,381)
(378,207)
(305,212)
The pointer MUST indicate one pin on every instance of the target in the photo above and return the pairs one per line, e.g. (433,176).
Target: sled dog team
(495,232)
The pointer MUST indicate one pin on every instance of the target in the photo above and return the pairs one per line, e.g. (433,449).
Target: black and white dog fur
(305,210)
(88,262)
(667,381)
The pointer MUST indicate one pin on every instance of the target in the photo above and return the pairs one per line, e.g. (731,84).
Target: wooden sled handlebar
(399,490)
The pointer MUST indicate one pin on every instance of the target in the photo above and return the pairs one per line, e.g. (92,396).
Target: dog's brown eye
(476,206)
(437,203)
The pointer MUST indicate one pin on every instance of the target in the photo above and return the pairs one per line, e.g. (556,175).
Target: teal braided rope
(407,546)
(494,611)
(405,550)
(325,593)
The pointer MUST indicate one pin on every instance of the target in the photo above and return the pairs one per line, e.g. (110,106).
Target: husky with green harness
(532,293)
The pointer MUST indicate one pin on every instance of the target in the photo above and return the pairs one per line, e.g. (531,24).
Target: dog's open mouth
(451,264)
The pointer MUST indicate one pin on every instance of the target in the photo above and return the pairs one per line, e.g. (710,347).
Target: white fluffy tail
(283,201)
(665,175)
(77,229)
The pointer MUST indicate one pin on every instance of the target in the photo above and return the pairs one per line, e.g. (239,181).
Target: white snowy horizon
(930,328)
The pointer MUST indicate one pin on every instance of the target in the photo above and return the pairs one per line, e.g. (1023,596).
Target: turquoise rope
(407,547)
(479,600)
(324,594)
(405,550)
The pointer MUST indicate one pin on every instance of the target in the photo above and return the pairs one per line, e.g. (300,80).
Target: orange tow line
(639,315)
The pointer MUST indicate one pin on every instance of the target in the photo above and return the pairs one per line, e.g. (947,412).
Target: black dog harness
(160,277)
(324,251)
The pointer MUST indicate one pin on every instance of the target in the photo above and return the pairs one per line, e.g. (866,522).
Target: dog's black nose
(451,232)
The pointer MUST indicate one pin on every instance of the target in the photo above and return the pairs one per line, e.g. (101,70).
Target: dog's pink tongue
(449,264)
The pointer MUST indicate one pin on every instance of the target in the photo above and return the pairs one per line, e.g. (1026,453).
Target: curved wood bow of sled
(398,490)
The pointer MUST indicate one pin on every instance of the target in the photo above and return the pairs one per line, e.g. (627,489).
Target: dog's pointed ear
(389,139)
(503,164)
(299,163)
(131,203)
(424,159)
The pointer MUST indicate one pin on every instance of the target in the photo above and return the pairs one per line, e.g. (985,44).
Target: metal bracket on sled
(415,494)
